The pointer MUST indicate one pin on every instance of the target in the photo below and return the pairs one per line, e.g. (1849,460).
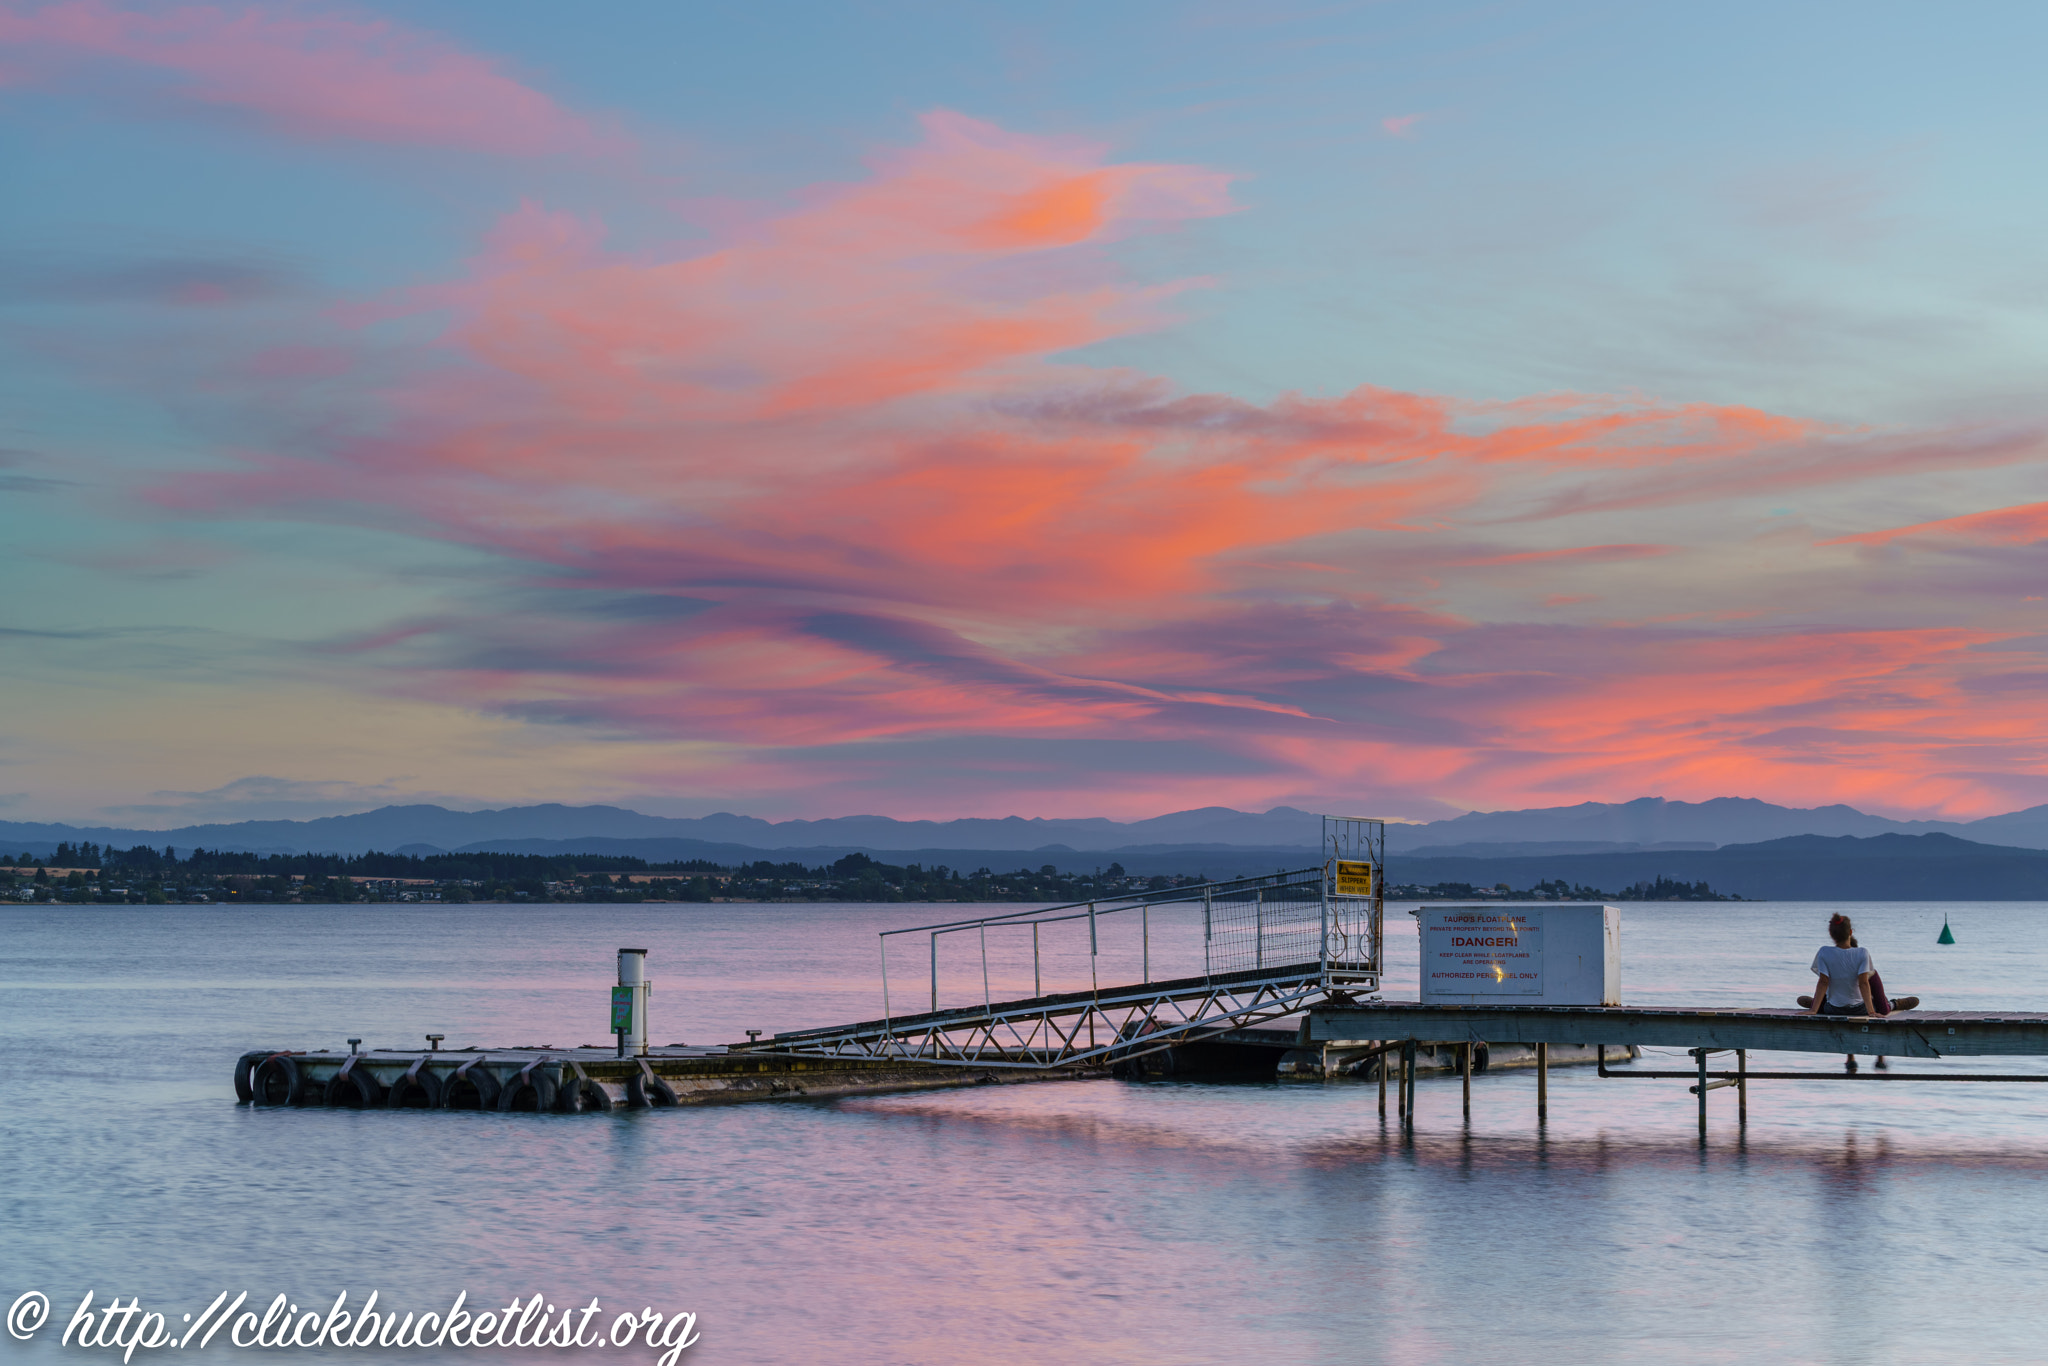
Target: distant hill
(1218,861)
(1649,824)
(1889,867)
(1539,848)
(390,827)
(1652,821)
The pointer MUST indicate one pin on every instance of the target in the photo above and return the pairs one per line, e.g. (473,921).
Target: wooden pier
(1402,1026)
(1907,1034)
(1371,1039)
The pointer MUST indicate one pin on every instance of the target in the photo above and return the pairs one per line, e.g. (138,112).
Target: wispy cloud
(2025,524)
(190,282)
(303,74)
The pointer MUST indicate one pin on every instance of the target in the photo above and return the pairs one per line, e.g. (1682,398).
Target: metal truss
(1271,946)
(1071,1027)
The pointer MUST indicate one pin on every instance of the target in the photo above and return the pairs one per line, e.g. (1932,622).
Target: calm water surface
(1089,1221)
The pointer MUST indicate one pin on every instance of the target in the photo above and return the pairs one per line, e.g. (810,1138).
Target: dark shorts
(1830,1008)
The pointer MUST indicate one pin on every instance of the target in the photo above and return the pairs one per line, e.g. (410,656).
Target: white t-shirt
(1842,967)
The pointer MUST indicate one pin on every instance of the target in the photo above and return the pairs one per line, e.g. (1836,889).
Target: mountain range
(1646,825)
(1890,867)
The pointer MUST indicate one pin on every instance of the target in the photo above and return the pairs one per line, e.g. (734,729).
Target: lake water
(1069,1221)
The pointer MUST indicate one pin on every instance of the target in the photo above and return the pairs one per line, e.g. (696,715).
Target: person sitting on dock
(1844,972)
(1880,1004)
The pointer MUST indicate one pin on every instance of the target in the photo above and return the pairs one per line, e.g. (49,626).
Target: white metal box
(1521,955)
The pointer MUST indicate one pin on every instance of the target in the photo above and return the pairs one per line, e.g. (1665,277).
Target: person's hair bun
(1839,928)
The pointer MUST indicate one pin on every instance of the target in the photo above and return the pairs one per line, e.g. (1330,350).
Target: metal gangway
(1270,946)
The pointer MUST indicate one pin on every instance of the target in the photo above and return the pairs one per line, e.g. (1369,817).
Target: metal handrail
(1165,896)
(1204,894)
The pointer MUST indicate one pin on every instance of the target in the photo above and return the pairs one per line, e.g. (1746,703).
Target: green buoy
(1946,937)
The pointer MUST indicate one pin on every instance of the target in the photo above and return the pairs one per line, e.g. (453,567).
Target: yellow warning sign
(1353,879)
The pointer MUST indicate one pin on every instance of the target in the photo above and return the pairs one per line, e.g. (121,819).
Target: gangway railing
(1268,947)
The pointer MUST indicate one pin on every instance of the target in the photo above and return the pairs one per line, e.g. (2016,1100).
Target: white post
(633,977)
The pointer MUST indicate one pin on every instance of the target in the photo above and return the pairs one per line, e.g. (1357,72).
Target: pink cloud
(845,487)
(2021,525)
(1581,554)
(1400,125)
(303,74)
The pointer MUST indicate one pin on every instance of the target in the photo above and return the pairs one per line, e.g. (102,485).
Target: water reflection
(1165,1220)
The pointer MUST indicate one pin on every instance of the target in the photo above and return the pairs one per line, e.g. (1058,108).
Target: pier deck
(1911,1034)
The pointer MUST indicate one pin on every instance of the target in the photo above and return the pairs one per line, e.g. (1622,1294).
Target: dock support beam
(1465,1067)
(1382,1070)
(1408,1083)
(1542,1083)
(1701,1054)
(1742,1088)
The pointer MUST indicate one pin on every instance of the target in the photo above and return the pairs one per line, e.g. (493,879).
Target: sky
(949,410)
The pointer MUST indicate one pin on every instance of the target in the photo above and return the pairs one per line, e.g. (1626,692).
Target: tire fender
(279,1065)
(416,1075)
(245,1072)
(529,1076)
(487,1087)
(590,1095)
(350,1080)
(645,1090)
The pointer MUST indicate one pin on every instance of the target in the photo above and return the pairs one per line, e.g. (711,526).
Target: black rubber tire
(245,1070)
(470,1077)
(276,1081)
(589,1095)
(643,1093)
(529,1081)
(1481,1054)
(417,1081)
(353,1089)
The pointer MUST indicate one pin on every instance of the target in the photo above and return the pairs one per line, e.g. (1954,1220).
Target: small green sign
(622,1010)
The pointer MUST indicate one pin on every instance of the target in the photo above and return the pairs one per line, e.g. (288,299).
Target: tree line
(152,876)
